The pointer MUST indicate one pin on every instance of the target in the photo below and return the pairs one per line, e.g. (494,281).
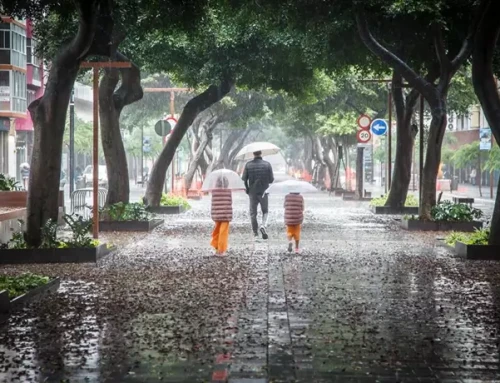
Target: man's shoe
(256,237)
(263,232)
(290,247)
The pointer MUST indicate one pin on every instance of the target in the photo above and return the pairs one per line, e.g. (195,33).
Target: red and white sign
(172,121)
(364,122)
(363,136)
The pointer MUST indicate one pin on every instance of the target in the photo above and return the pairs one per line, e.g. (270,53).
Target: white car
(103,176)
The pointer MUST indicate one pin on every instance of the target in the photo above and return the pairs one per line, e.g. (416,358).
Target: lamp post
(72,143)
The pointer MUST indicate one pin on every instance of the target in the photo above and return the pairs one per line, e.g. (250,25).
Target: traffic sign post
(364,122)
(363,136)
(379,127)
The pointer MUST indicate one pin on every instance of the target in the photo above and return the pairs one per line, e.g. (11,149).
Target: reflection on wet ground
(364,302)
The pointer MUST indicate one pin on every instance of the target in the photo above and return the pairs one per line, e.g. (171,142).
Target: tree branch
(391,59)
(468,44)
(130,89)
(483,77)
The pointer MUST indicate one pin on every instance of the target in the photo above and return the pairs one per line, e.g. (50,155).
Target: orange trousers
(293,232)
(220,236)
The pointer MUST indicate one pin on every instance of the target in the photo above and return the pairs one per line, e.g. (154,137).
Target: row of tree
(291,46)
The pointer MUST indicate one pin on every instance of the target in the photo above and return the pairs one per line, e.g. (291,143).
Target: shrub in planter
(80,235)
(478,237)
(8,183)
(19,285)
(172,200)
(455,212)
(125,212)
(411,201)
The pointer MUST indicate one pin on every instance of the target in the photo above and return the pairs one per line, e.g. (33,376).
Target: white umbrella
(291,186)
(267,149)
(223,179)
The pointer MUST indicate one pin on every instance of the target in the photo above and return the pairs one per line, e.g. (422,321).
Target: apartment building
(21,82)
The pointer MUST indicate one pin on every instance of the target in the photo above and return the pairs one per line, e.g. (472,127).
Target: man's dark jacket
(258,174)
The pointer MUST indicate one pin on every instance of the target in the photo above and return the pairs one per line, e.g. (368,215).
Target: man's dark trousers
(255,200)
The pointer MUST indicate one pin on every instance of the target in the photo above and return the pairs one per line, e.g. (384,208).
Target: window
(4,78)
(4,39)
(18,44)
(4,90)
(31,96)
(31,57)
(4,56)
(18,89)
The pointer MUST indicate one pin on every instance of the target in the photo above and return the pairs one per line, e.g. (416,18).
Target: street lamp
(72,142)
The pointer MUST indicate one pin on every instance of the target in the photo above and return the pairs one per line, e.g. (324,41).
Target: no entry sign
(364,122)
(364,136)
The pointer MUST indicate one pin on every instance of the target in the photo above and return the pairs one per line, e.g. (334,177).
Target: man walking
(258,174)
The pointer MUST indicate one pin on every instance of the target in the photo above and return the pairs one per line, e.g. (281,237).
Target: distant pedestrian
(473,176)
(294,216)
(25,174)
(258,174)
(222,214)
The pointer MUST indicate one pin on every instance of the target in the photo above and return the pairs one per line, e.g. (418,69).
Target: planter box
(74,255)
(352,197)
(167,209)
(406,210)
(464,200)
(129,225)
(419,225)
(484,252)
(7,305)
(19,198)
(9,222)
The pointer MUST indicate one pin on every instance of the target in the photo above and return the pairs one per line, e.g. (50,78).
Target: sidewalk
(364,302)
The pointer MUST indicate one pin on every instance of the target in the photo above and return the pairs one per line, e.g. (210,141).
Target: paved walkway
(364,302)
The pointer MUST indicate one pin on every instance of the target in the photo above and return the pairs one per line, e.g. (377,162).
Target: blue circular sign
(379,127)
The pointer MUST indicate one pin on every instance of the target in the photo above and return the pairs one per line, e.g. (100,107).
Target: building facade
(21,82)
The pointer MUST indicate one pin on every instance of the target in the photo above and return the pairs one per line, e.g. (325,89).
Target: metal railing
(79,203)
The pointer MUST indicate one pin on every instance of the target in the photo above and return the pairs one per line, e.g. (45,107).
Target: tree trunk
(241,142)
(432,160)
(192,109)
(435,95)
(207,130)
(336,161)
(308,156)
(111,104)
(223,161)
(330,165)
(49,117)
(359,172)
(486,90)
(405,140)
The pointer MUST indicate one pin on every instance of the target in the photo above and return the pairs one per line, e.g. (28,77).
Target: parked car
(88,176)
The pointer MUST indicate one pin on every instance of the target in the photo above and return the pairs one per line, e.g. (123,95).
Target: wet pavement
(363,302)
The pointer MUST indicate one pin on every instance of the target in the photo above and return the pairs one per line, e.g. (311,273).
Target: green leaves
(173,200)
(125,212)
(466,155)
(455,212)
(8,183)
(19,285)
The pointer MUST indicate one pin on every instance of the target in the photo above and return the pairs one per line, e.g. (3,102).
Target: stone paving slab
(364,302)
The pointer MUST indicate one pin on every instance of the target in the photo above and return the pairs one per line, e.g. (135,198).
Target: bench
(465,200)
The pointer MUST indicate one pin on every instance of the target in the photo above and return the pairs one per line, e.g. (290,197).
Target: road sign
(364,122)
(146,145)
(164,127)
(363,136)
(379,127)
